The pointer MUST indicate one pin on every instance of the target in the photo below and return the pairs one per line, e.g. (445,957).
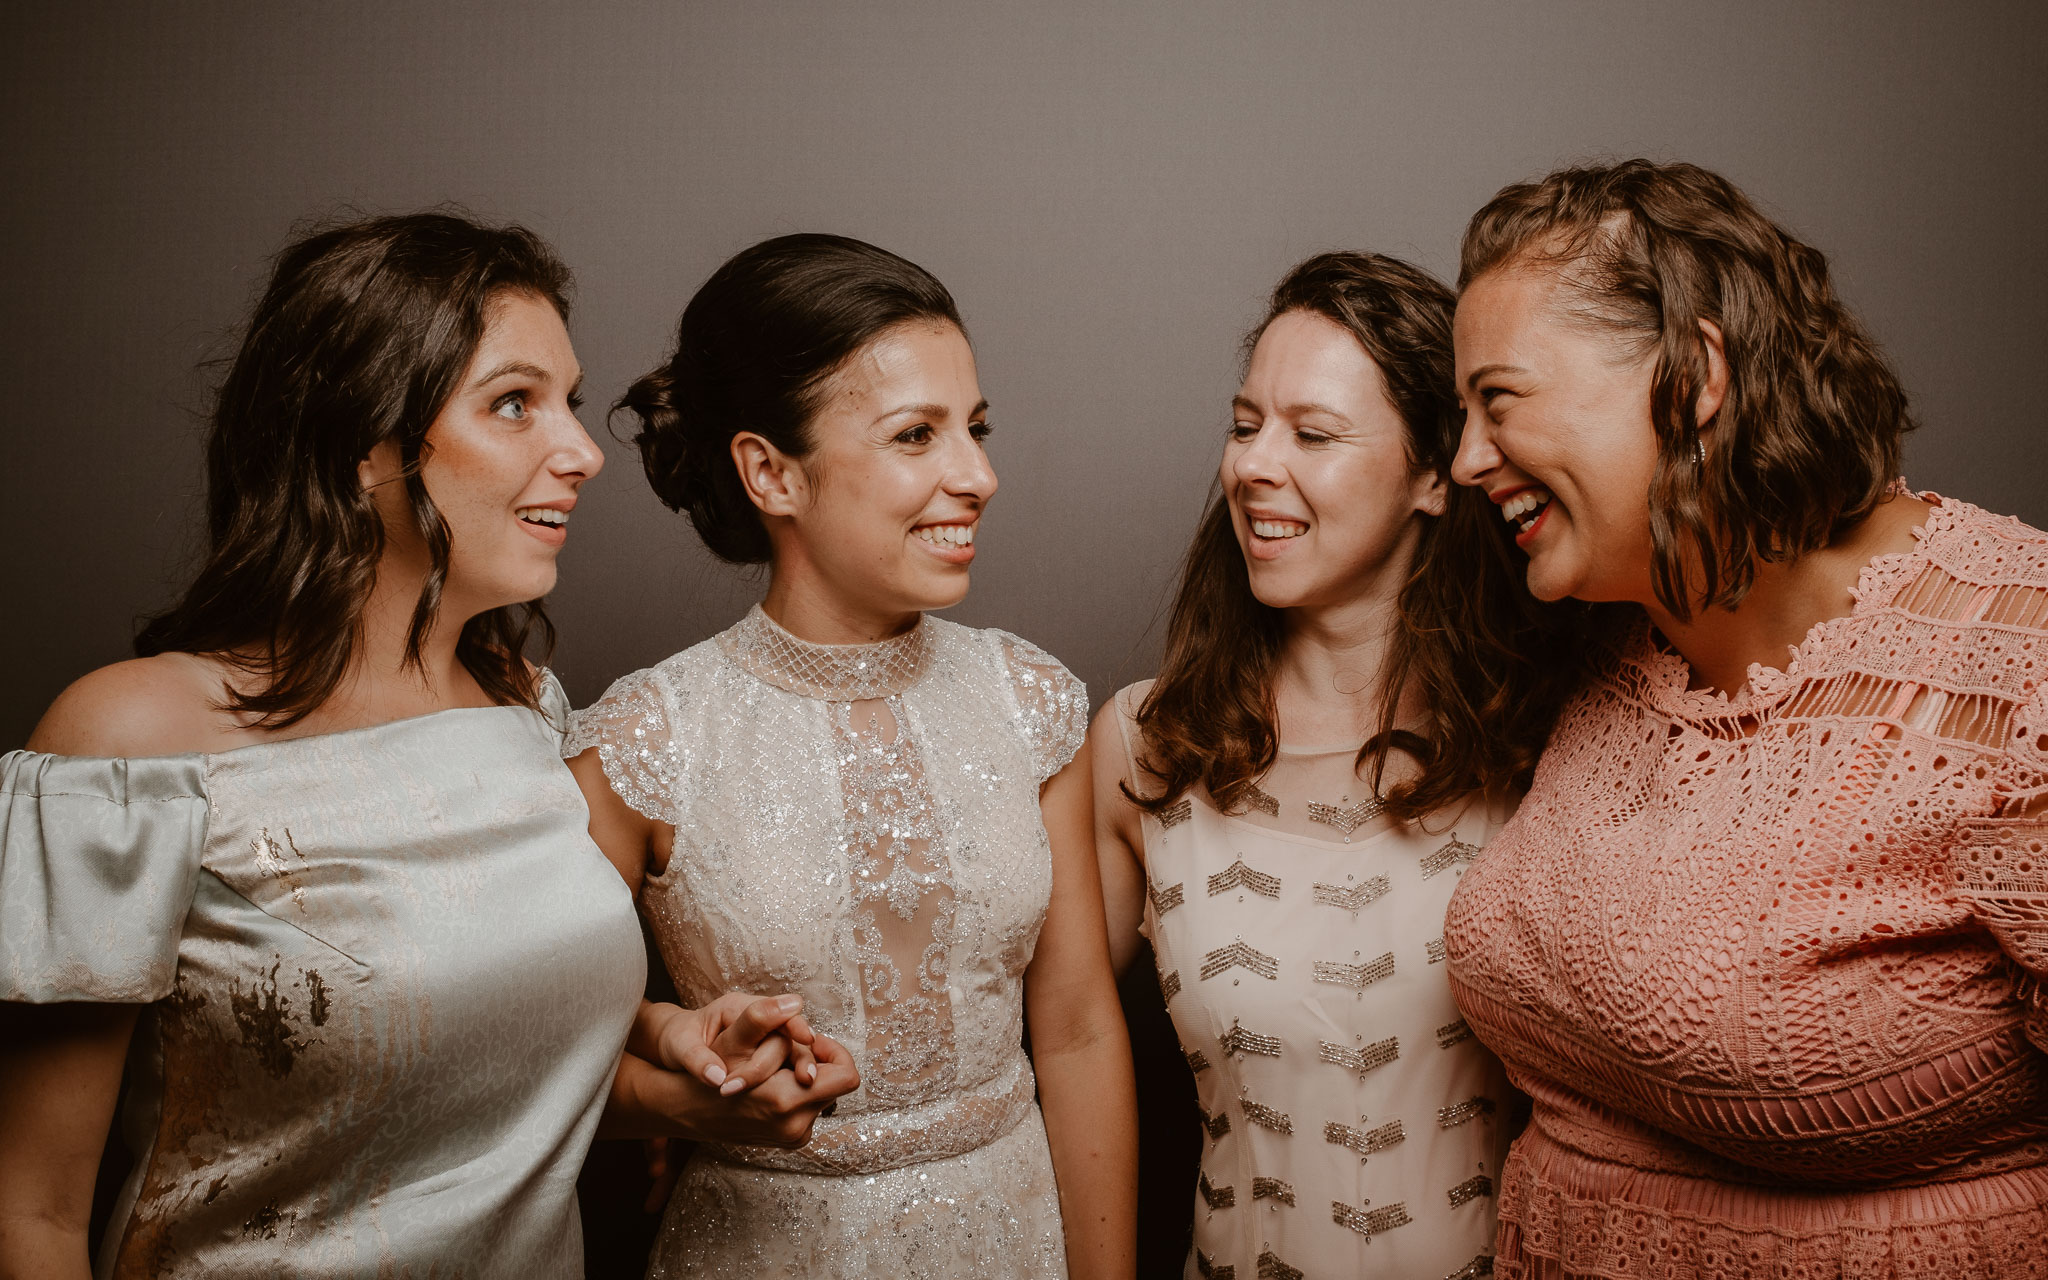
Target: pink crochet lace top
(1769,964)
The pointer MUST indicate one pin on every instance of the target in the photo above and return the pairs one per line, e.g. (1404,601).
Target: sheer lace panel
(629,726)
(903,914)
(1052,703)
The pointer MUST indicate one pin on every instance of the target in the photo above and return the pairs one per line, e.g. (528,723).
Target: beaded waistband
(871,1141)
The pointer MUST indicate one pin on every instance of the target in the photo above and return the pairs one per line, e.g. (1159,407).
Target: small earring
(1699,447)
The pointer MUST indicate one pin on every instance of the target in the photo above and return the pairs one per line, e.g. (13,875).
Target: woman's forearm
(1090,1102)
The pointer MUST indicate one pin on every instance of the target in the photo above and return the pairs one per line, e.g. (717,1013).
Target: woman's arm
(1079,1047)
(681,1067)
(1119,847)
(60,1072)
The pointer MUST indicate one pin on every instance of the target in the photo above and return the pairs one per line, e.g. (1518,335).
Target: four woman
(1762,944)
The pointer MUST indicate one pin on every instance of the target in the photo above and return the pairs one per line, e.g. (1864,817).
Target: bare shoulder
(158,706)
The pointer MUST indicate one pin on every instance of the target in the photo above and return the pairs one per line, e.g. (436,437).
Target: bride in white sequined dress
(881,811)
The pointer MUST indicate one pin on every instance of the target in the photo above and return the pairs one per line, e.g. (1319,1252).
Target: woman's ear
(1430,493)
(774,481)
(1715,390)
(380,466)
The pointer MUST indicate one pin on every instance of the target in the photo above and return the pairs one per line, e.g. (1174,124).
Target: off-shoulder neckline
(280,744)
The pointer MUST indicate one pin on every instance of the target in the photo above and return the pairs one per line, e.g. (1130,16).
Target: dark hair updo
(754,348)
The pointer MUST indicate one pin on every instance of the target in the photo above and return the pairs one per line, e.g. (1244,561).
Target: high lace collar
(831,672)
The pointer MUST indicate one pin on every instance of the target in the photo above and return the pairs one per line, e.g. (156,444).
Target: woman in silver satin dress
(885,812)
(311,865)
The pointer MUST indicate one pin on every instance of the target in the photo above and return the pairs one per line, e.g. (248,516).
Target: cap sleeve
(2000,864)
(99,860)
(629,726)
(1052,705)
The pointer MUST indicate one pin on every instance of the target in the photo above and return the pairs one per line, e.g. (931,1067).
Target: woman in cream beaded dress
(1288,857)
(1766,942)
(879,810)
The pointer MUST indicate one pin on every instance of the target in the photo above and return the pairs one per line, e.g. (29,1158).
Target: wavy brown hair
(360,338)
(1485,661)
(1807,440)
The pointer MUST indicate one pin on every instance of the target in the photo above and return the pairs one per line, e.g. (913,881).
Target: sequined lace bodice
(858,824)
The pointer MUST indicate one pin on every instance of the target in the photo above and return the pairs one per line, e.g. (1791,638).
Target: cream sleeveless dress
(860,824)
(1354,1126)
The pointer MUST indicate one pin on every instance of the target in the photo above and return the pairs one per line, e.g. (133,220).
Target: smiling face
(1322,494)
(503,462)
(879,519)
(1558,433)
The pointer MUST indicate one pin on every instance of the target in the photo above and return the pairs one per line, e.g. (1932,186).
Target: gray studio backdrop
(1108,189)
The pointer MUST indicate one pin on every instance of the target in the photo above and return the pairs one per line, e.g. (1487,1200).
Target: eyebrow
(930,411)
(1487,371)
(1293,410)
(521,367)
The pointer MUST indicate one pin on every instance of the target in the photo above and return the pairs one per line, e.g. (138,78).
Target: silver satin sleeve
(99,859)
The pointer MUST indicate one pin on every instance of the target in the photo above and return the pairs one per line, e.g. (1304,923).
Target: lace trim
(1051,702)
(629,727)
(831,672)
(1550,1228)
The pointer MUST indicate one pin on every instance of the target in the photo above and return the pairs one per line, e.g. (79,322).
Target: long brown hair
(1806,441)
(1486,662)
(361,337)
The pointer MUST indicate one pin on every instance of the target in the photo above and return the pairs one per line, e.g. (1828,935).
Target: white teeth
(1278,528)
(946,535)
(543,515)
(1526,503)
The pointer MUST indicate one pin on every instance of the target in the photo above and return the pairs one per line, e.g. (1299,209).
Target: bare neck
(1788,600)
(1328,682)
(802,603)
(381,685)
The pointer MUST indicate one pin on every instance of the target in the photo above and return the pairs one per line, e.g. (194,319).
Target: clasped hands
(743,1069)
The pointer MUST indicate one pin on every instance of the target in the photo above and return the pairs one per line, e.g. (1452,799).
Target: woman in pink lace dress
(1764,941)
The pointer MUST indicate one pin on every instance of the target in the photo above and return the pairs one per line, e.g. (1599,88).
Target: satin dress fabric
(387,978)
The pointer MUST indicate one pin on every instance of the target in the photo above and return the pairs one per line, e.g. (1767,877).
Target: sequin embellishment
(1165,900)
(1456,851)
(1237,873)
(1377,1054)
(1347,818)
(1176,813)
(1479,1266)
(1273,1189)
(1471,1189)
(1267,1117)
(1453,1033)
(1218,1197)
(1356,976)
(1353,897)
(1271,1268)
(1264,803)
(1459,1112)
(1215,1126)
(1210,1270)
(1435,948)
(1169,984)
(1198,1062)
(1239,953)
(1363,1141)
(1369,1222)
(1237,1040)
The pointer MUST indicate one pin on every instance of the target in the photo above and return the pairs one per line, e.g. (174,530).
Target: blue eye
(511,405)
